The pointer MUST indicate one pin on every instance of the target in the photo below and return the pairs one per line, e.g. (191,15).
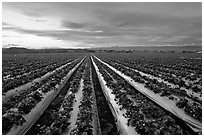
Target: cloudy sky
(76,25)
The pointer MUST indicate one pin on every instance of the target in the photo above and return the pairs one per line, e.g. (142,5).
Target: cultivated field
(148,93)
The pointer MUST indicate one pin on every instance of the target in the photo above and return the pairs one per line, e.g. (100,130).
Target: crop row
(19,64)
(93,96)
(143,114)
(21,69)
(21,104)
(184,72)
(192,107)
(106,117)
(187,81)
(84,123)
(55,117)
(16,82)
(74,111)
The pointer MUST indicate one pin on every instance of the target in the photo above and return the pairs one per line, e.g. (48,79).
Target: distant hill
(153,48)
(14,50)
(18,50)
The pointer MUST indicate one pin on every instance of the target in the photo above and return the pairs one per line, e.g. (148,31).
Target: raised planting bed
(113,72)
(36,112)
(106,117)
(115,108)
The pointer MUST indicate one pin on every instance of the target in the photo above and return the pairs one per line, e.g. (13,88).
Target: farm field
(99,93)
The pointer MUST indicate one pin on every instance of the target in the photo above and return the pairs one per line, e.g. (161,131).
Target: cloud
(4,24)
(74,25)
(40,20)
(113,23)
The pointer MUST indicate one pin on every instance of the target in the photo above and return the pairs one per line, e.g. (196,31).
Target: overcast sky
(72,25)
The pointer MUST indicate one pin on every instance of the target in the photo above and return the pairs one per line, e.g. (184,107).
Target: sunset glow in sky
(76,25)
